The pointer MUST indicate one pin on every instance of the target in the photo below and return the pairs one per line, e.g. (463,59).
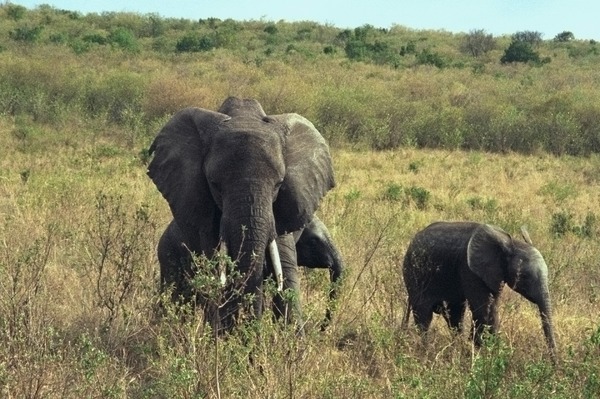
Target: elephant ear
(487,252)
(177,167)
(308,176)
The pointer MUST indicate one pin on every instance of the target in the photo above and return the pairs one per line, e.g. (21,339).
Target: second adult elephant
(315,249)
(451,264)
(241,182)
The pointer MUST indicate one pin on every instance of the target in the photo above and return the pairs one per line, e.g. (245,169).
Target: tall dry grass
(78,318)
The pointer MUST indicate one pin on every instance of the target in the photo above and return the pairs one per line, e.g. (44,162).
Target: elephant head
(240,179)
(495,257)
(315,248)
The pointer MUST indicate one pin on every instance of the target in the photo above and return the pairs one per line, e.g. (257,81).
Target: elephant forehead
(249,132)
(247,151)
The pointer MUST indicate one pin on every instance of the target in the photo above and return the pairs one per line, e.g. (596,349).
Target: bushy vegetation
(420,131)
(364,87)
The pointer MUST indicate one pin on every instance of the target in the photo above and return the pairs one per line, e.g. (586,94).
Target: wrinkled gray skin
(243,178)
(315,249)
(451,264)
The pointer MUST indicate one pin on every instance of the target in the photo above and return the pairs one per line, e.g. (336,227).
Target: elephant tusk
(274,253)
(222,272)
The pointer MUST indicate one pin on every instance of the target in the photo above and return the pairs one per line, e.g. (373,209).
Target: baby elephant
(315,249)
(450,264)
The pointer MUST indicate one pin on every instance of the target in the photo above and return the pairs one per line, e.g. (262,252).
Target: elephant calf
(451,264)
(315,249)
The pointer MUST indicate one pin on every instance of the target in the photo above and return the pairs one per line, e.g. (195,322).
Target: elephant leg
(423,314)
(175,265)
(287,304)
(455,312)
(485,318)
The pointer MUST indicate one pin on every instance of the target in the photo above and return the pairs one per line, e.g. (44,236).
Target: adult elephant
(450,264)
(240,182)
(315,249)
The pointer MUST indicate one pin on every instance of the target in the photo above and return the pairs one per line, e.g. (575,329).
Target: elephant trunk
(336,270)
(546,315)
(335,273)
(248,231)
(336,267)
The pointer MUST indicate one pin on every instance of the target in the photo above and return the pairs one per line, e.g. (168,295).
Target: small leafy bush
(427,57)
(489,369)
(416,195)
(488,205)
(393,192)
(194,43)
(563,222)
(27,34)
(124,39)
(520,51)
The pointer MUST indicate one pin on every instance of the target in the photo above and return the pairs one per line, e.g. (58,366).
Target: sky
(498,17)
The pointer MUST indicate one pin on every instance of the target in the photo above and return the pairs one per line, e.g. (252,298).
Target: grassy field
(78,285)
(413,142)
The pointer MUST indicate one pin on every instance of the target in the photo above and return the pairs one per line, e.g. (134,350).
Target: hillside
(367,87)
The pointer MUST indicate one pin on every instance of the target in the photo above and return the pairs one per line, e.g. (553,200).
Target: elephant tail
(406,315)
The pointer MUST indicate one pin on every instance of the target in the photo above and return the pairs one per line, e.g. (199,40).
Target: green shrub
(393,192)
(564,222)
(564,36)
(124,39)
(419,196)
(195,43)
(519,51)
(561,224)
(489,369)
(26,34)
(489,205)
(96,38)
(15,12)
(427,57)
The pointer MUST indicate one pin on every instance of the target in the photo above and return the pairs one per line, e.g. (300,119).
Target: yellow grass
(363,354)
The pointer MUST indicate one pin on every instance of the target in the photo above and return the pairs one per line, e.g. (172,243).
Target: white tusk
(274,253)
(222,272)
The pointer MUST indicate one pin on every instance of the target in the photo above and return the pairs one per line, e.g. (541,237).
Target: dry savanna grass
(78,292)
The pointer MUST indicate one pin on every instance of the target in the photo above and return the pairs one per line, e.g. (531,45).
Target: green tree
(565,36)
(409,48)
(271,29)
(356,50)
(26,34)
(194,43)
(477,42)
(532,37)
(15,12)
(124,39)
(519,51)
(427,57)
